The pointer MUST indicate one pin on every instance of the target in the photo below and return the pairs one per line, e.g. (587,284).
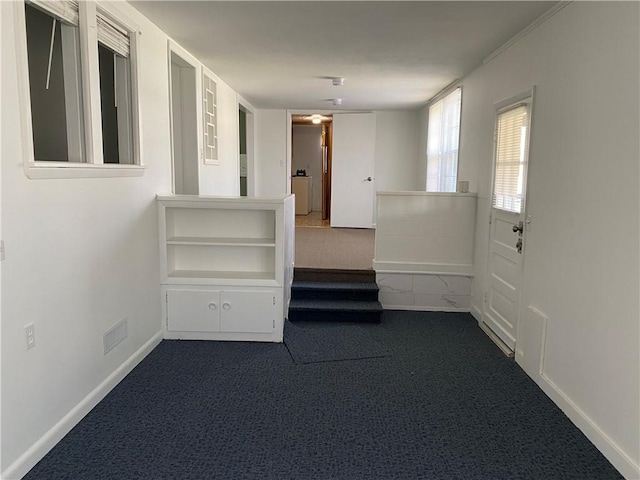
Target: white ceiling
(392,54)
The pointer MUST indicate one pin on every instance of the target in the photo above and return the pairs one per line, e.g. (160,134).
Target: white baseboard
(476,312)
(618,458)
(42,446)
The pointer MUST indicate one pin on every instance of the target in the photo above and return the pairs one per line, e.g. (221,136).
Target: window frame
(93,165)
(441,99)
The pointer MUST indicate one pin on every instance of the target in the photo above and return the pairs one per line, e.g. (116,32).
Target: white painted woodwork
(424,250)
(425,232)
(226,266)
(193,311)
(504,277)
(183,81)
(248,311)
(353,170)
(226,313)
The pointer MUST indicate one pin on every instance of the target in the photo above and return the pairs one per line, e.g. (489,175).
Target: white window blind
(511,158)
(112,35)
(442,143)
(65,10)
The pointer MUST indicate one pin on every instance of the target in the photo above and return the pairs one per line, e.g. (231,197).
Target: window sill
(36,170)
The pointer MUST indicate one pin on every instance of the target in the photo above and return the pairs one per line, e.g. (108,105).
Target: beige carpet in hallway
(340,248)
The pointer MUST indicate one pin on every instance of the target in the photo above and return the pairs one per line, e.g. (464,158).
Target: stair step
(335,310)
(336,305)
(334,275)
(334,290)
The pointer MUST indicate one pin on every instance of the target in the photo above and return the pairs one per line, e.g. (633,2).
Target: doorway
(184,129)
(246,151)
(508,221)
(311,153)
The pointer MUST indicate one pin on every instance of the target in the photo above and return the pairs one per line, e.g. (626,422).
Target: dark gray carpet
(445,405)
(314,342)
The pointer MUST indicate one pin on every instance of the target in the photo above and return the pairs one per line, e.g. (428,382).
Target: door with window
(507,232)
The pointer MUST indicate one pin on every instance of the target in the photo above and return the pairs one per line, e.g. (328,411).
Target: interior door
(507,232)
(352,174)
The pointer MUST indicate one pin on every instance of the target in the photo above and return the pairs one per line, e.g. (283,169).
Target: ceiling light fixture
(337,81)
(316,119)
(337,101)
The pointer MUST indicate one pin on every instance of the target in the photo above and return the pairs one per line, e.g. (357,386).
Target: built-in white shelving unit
(226,266)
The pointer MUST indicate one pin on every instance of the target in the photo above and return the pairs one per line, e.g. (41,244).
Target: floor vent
(115,335)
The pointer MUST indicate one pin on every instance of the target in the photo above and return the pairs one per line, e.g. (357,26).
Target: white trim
(476,312)
(592,431)
(93,166)
(462,269)
(44,444)
(422,308)
(457,83)
(504,348)
(193,62)
(90,69)
(525,31)
(41,170)
(205,72)
(416,193)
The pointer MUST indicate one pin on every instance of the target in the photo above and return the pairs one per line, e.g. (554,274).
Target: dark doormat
(320,342)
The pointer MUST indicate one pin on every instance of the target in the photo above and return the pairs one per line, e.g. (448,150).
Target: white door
(352,177)
(506,237)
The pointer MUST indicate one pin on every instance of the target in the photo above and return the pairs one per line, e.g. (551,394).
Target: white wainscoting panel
(423,291)
(424,250)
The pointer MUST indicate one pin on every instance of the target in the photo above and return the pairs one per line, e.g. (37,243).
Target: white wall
(581,255)
(82,254)
(396,164)
(396,161)
(271,174)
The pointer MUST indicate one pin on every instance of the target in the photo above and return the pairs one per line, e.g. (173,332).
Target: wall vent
(115,335)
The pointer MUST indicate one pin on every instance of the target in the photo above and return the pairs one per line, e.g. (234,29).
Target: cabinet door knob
(226,305)
(212,306)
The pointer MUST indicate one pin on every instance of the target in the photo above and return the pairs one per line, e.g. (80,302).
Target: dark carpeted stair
(335,296)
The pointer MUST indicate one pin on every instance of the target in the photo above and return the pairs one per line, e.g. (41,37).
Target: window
(80,61)
(54,81)
(511,157)
(442,143)
(115,91)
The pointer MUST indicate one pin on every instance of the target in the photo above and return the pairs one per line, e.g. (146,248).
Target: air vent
(115,335)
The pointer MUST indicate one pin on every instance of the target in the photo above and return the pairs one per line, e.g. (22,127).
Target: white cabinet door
(193,311)
(248,312)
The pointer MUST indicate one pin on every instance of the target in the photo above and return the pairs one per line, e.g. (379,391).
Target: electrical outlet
(30,332)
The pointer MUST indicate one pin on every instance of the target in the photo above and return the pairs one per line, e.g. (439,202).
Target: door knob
(212,306)
(368,179)
(518,228)
(226,305)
